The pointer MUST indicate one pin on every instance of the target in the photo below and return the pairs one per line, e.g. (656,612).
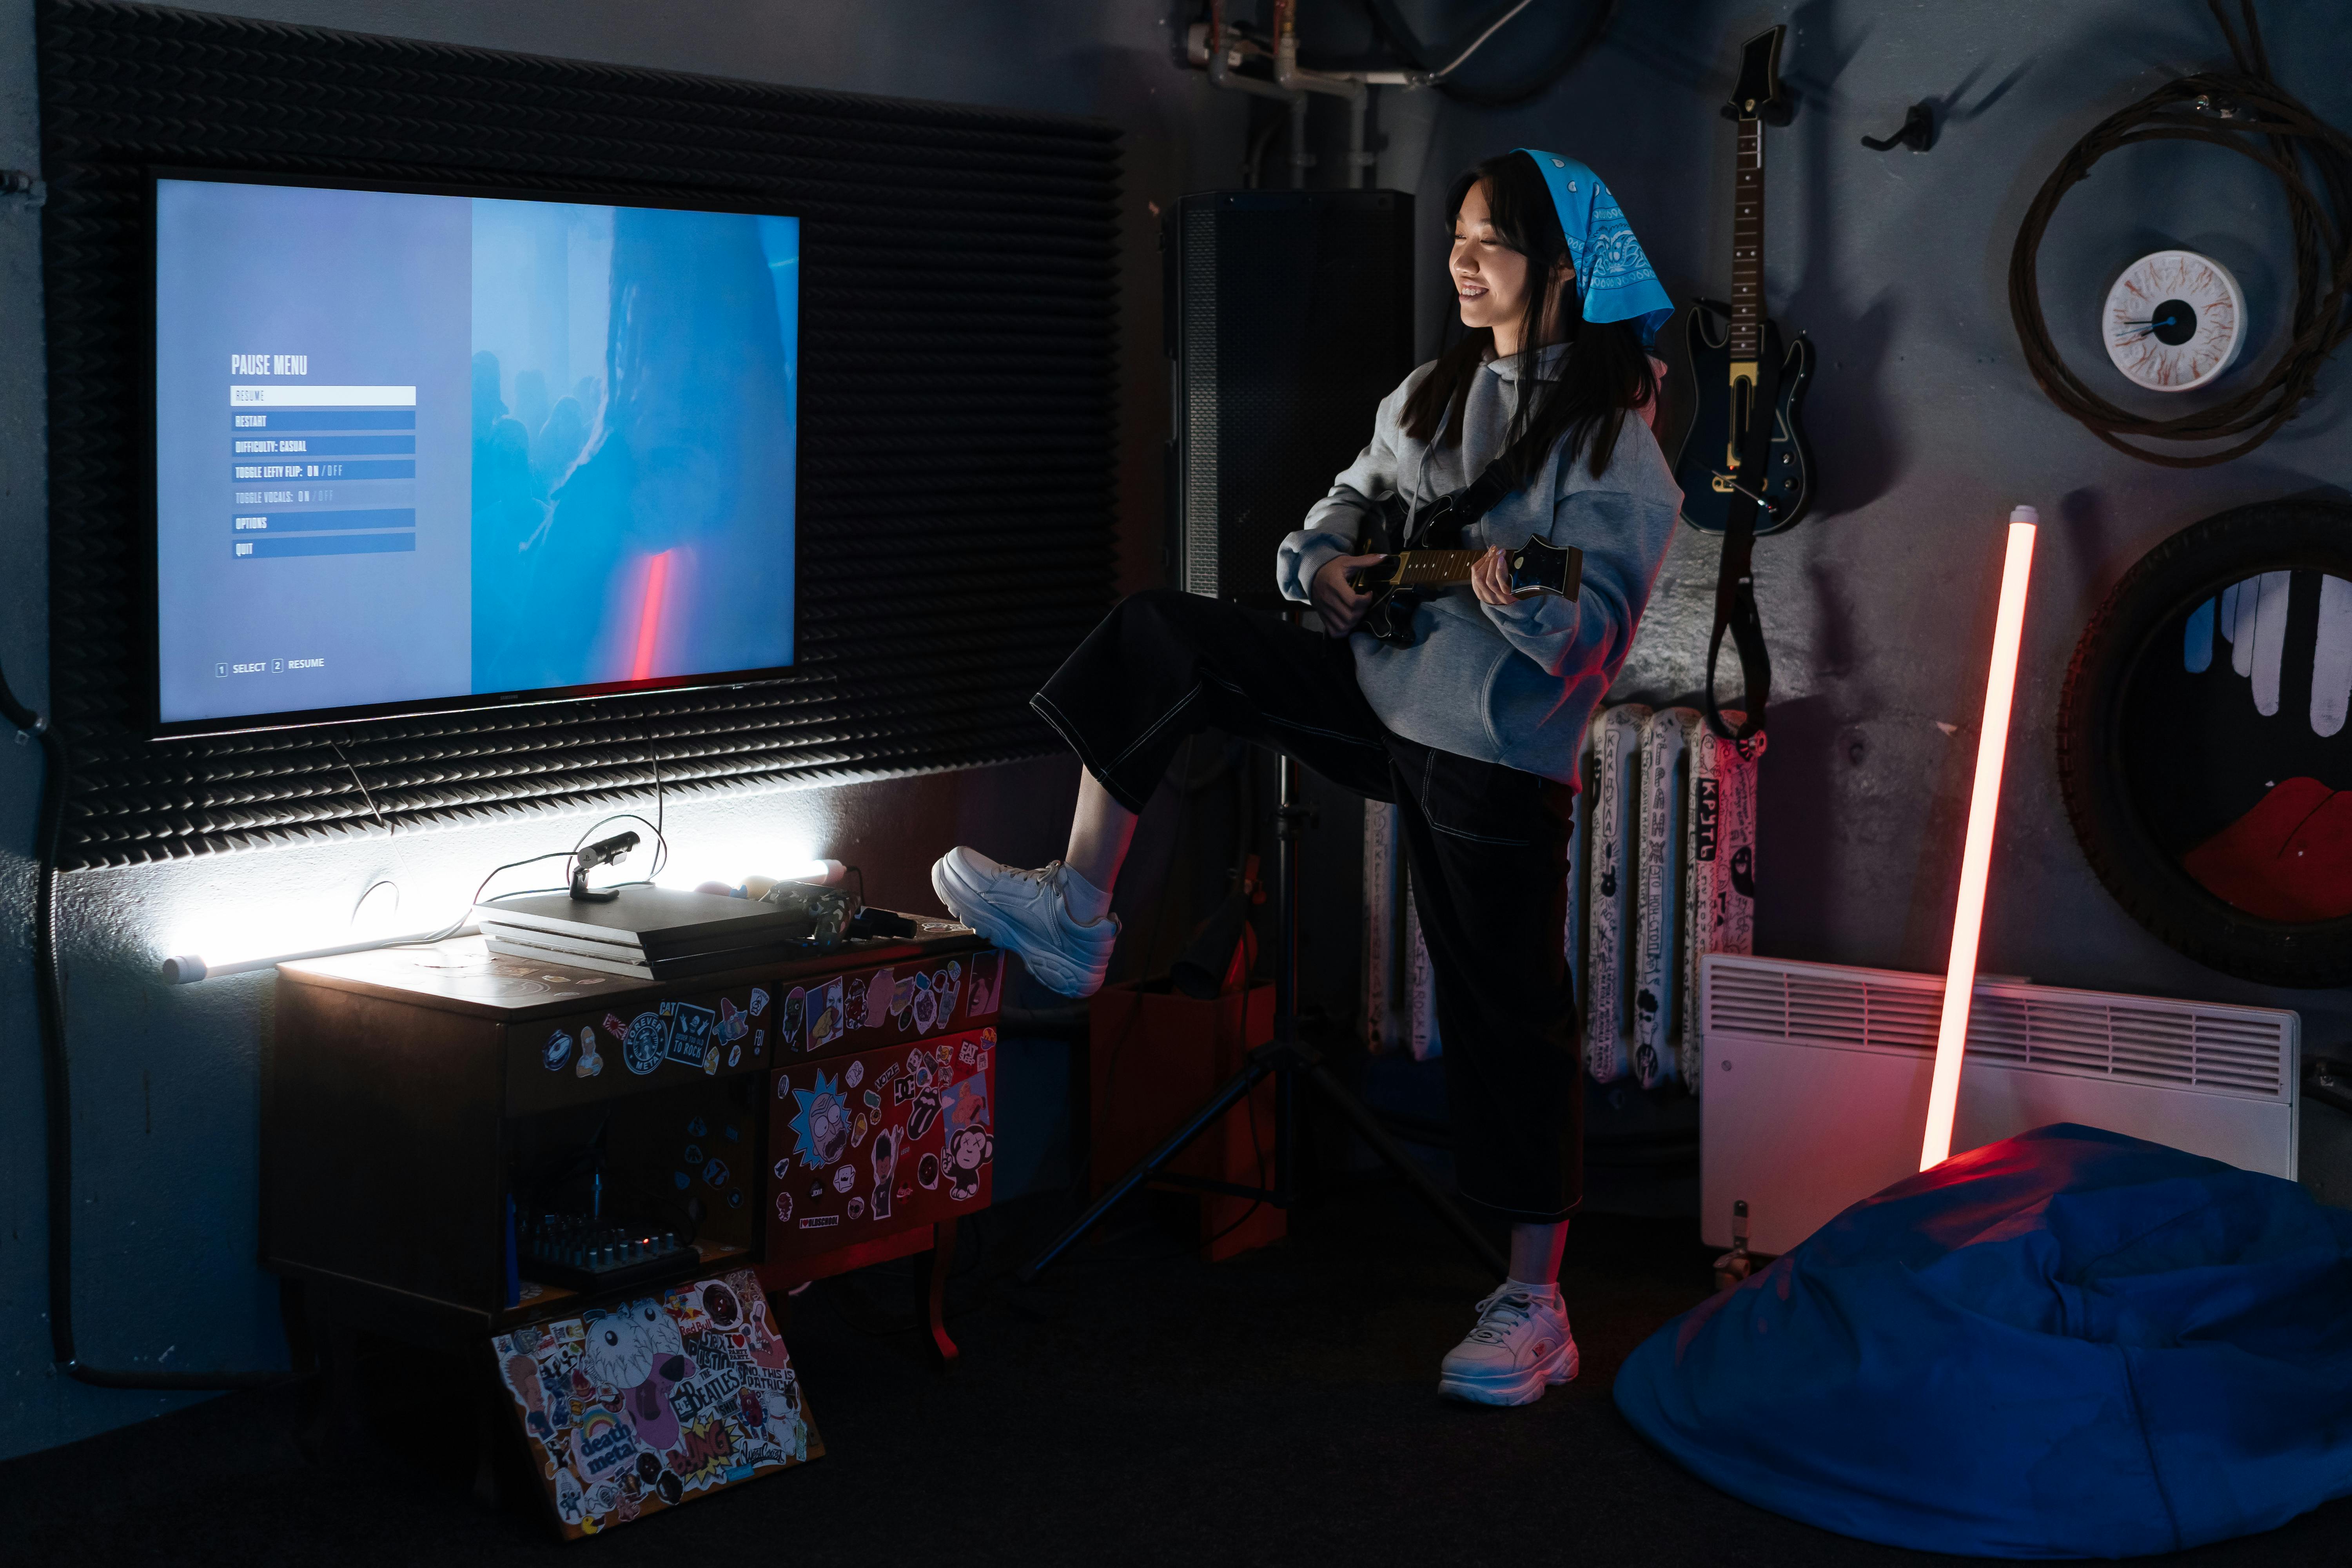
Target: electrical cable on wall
(391,835)
(48,988)
(1399,32)
(2249,113)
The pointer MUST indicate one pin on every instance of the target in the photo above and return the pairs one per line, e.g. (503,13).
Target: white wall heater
(1816,1081)
(1662,870)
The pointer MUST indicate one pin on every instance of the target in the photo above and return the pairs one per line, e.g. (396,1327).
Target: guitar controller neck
(1435,568)
(1747,249)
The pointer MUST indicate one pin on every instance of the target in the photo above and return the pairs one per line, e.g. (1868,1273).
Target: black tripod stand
(1288,1061)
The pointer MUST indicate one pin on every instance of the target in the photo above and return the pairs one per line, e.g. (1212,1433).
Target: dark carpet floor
(1134,1406)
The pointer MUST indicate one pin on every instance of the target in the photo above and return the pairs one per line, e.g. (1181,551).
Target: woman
(1472,730)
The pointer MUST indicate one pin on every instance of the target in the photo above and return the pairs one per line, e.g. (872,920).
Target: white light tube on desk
(188,968)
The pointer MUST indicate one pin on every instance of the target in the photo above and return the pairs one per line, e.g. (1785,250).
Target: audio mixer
(582,1252)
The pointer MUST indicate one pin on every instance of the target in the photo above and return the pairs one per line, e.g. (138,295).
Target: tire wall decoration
(2204,746)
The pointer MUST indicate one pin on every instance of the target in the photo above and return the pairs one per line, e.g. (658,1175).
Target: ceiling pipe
(1285,59)
(1225,51)
(1334,85)
(1222,51)
(1223,73)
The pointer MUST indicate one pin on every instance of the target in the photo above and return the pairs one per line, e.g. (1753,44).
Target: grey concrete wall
(1927,427)
(165,1090)
(1924,422)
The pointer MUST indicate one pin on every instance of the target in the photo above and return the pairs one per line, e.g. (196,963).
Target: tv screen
(417,451)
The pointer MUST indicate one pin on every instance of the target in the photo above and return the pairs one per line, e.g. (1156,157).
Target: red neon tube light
(1976,857)
(649,619)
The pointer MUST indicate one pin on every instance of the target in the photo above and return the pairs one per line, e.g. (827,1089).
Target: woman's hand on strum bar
(1339,605)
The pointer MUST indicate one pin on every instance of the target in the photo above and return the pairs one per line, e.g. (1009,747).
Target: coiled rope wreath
(2251,115)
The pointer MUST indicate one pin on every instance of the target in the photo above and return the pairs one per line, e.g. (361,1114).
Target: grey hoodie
(1516,684)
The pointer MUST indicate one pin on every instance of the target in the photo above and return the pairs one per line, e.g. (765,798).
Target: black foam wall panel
(957,407)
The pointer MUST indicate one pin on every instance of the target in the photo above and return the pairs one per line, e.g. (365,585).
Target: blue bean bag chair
(2069,1343)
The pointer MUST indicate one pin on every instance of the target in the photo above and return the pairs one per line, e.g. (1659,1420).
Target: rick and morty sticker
(631,1409)
(882,1141)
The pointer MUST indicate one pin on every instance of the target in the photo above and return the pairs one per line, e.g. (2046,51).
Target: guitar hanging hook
(1918,131)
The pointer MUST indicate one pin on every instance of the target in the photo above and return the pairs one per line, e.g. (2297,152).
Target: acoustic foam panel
(957,411)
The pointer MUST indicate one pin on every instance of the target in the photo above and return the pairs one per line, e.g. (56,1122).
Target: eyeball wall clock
(2174,320)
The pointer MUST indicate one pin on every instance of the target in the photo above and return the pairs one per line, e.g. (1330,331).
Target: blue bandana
(1612,274)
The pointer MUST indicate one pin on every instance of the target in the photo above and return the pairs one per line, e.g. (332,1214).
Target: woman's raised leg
(1162,666)
(1100,831)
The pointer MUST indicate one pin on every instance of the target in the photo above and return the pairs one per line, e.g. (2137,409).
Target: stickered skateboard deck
(630,1409)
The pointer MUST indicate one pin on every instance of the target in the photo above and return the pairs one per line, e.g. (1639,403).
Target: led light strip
(1976,857)
(188,968)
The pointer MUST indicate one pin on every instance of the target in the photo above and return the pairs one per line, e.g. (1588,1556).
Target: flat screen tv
(420,449)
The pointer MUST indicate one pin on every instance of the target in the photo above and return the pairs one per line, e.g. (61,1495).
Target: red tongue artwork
(2289,859)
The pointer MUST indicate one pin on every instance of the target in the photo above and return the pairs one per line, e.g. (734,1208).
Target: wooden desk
(410,1094)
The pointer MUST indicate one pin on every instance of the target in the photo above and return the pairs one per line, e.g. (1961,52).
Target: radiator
(1817,1082)
(1661,871)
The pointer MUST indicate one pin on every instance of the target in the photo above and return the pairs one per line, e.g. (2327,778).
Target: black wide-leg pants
(1486,846)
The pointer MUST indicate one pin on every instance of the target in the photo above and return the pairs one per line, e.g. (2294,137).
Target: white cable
(1476,43)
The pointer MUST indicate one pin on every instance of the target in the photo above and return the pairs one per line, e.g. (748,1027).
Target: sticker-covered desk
(441,1126)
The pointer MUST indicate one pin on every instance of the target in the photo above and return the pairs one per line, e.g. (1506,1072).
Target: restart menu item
(419,451)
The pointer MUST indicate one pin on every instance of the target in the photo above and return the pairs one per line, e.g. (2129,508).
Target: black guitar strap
(1734,584)
(1441,524)
(1488,490)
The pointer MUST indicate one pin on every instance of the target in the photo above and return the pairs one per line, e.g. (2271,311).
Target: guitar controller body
(1704,469)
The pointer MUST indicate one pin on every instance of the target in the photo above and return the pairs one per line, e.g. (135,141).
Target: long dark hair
(1604,372)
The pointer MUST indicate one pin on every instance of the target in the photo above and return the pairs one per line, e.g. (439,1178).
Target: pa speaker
(1289,316)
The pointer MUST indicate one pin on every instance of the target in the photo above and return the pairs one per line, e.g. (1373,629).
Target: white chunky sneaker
(1520,1347)
(1028,912)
